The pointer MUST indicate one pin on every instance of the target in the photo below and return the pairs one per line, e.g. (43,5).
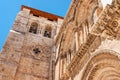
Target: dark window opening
(48,31)
(47,34)
(33,28)
(35,15)
(36,51)
(50,19)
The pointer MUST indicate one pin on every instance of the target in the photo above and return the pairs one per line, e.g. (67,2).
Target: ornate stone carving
(77,58)
(108,23)
(101,68)
(115,24)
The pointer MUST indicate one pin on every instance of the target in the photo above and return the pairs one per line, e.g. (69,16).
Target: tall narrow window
(33,28)
(47,32)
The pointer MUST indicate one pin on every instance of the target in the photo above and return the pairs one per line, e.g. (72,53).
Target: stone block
(7,69)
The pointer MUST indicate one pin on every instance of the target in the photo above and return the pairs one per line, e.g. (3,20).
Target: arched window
(33,28)
(47,32)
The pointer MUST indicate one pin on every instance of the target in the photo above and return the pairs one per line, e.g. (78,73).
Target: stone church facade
(85,45)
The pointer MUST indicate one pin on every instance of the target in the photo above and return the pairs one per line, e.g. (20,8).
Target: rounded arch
(33,27)
(48,31)
(103,66)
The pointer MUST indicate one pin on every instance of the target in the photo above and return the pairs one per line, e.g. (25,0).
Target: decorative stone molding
(108,23)
(107,26)
(103,66)
(79,55)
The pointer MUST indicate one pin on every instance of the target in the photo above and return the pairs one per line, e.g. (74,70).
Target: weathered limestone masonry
(28,51)
(88,48)
(85,47)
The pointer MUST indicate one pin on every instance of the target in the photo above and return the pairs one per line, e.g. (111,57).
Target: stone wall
(28,55)
(87,49)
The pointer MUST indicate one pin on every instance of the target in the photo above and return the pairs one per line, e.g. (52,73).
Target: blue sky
(10,8)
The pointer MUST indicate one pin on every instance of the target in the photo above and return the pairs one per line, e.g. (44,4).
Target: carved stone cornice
(79,55)
(108,24)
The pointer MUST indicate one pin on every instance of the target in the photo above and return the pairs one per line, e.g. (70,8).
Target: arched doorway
(103,66)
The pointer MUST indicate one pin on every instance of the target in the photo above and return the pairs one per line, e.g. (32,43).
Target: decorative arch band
(103,66)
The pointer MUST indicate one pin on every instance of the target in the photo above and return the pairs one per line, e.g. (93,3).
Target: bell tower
(28,51)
